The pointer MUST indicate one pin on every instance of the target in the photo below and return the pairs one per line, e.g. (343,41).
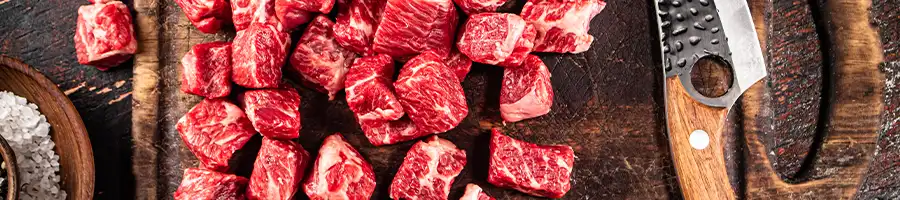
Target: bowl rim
(12,169)
(79,131)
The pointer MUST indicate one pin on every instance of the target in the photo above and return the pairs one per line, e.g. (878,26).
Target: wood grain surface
(40,33)
(67,131)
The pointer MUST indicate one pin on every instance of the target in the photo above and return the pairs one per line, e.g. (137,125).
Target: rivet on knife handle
(693,32)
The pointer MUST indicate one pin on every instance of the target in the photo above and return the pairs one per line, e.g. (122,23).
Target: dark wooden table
(808,62)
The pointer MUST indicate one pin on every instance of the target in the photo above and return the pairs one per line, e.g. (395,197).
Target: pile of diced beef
(358,53)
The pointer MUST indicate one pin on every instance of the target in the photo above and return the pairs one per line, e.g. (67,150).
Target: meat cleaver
(695,33)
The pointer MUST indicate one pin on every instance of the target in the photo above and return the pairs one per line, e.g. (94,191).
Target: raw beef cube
(275,113)
(382,133)
(289,16)
(459,63)
(562,26)
(206,70)
(104,36)
(539,170)
(258,53)
(320,6)
(278,170)
(526,91)
(205,184)
(471,7)
(473,192)
(431,94)
(410,27)
(340,172)
(319,60)
(355,24)
(243,12)
(213,130)
(497,39)
(428,170)
(369,91)
(206,15)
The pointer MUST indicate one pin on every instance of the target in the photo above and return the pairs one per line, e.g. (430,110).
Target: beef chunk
(320,6)
(104,36)
(539,170)
(340,172)
(473,192)
(410,27)
(213,130)
(207,15)
(496,39)
(369,91)
(278,170)
(205,184)
(275,113)
(206,70)
(356,23)
(472,7)
(290,16)
(562,26)
(258,53)
(526,91)
(431,94)
(243,12)
(319,60)
(428,170)
(459,63)
(391,132)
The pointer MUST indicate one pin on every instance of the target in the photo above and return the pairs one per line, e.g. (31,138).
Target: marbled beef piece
(243,12)
(539,170)
(459,63)
(428,170)
(356,22)
(275,113)
(319,60)
(431,94)
(278,170)
(207,15)
(213,130)
(562,26)
(104,35)
(339,172)
(410,27)
(258,54)
(205,184)
(500,39)
(471,7)
(206,70)
(526,91)
(473,192)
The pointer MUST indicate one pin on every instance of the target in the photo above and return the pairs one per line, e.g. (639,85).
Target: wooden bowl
(76,159)
(12,170)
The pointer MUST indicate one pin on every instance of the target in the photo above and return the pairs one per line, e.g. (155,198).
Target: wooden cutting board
(608,107)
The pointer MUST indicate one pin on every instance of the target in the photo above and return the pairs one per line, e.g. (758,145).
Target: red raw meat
(320,6)
(562,26)
(539,170)
(526,91)
(471,7)
(100,1)
(104,36)
(431,94)
(369,91)
(340,172)
(289,16)
(204,184)
(382,133)
(213,130)
(473,192)
(206,70)
(428,170)
(243,12)
(275,113)
(497,39)
(356,22)
(258,53)
(207,15)
(278,170)
(459,63)
(410,27)
(319,60)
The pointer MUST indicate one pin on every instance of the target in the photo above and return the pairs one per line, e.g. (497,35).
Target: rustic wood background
(824,124)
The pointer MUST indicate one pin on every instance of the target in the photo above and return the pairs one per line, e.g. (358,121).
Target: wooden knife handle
(701,171)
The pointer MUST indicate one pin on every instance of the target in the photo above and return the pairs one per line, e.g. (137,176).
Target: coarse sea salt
(28,133)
